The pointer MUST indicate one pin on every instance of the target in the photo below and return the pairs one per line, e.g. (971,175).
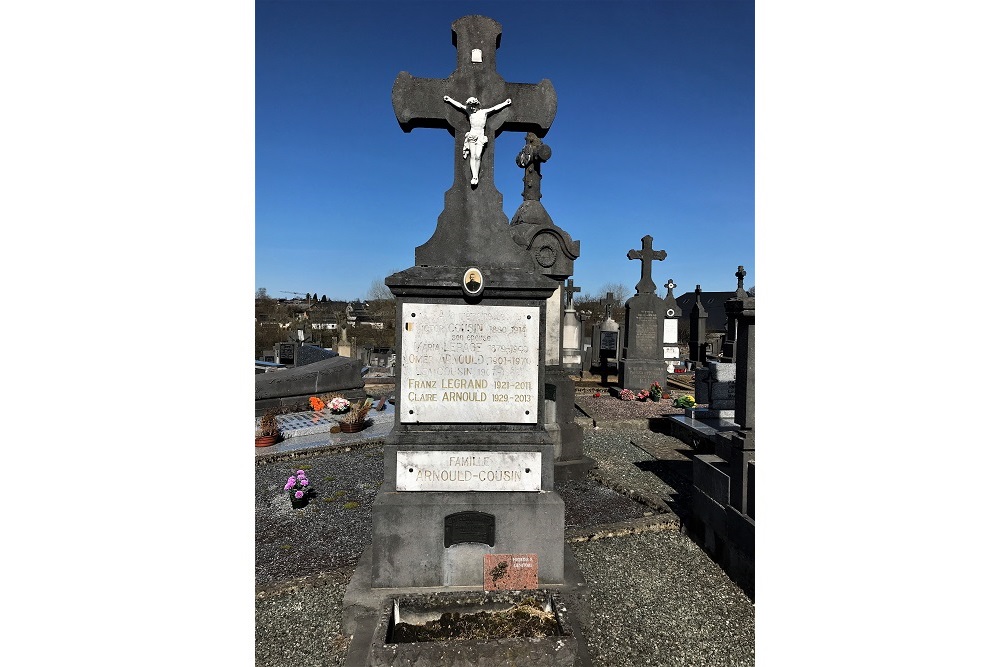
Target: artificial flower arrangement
(337,404)
(686,401)
(597,394)
(355,418)
(626,395)
(298,489)
(655,391)
(641,395)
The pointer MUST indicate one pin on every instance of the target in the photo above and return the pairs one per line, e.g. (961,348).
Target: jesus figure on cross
(475,138)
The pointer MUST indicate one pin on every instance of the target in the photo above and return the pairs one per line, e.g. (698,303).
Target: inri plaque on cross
(474,104)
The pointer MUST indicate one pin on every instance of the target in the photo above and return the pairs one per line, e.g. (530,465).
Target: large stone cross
(647,255)
(467,230)
(570,290)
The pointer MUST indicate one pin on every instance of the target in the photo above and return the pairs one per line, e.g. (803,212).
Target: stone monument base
(640,373)
(408,536)
(364,604)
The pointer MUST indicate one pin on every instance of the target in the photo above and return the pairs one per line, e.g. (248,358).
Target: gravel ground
(656,598)
(676,608)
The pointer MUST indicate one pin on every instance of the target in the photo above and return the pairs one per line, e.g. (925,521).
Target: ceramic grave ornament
(475,138)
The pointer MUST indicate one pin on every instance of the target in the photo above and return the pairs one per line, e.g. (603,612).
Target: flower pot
(298,503)
(266,440)
(654,398)
(350,427)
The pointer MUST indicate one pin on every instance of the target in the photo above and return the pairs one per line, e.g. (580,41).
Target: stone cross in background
(570,290)
(729,345)
(473,217)
(608,303)
(647,255)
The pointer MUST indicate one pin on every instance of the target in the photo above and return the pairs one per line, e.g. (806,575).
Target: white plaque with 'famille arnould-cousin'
(468,364)
(468,471)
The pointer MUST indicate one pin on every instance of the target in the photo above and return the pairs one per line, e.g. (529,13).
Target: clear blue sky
(654,134)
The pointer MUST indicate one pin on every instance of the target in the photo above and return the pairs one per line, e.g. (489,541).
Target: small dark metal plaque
(609,341)
(470,527)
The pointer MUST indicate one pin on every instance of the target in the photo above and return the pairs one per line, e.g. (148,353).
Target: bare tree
(618,292)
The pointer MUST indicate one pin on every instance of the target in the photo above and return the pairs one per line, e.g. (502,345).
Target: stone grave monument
(699,320)
(551,252)
(722,495)
(469,466)
(642,362)
(671,317)
(729,344)
(572,350)
(606,341)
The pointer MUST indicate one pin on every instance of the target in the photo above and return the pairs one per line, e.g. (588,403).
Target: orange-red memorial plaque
(510,572)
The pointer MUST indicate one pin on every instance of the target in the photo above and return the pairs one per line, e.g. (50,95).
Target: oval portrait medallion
(472,281)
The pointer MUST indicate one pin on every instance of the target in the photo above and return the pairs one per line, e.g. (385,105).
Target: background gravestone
(729,344)
(642,362)
(698,319)
(671,319)
(572,349)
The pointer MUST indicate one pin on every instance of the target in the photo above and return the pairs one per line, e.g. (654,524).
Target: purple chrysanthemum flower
(300,472)
(304,482)
(288,486)
(292,480)
(299,494)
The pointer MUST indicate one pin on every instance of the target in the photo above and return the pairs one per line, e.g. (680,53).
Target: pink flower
(291,480)
(299,494)
(300,472)
(304,482)
(289,485)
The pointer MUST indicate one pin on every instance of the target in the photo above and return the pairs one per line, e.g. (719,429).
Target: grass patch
(340,494)
(329,500)
(285,546)
(329,479)
(351,505)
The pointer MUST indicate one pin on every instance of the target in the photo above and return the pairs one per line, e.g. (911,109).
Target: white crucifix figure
(475,138)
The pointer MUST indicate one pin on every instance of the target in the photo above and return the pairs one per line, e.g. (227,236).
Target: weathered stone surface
(561,650)
(319,377)
(408,528)
(721,371)
(472,229)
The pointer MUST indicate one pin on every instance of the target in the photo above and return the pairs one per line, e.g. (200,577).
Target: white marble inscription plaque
(670,330)
(469,364)
(552,348)
(468,471)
